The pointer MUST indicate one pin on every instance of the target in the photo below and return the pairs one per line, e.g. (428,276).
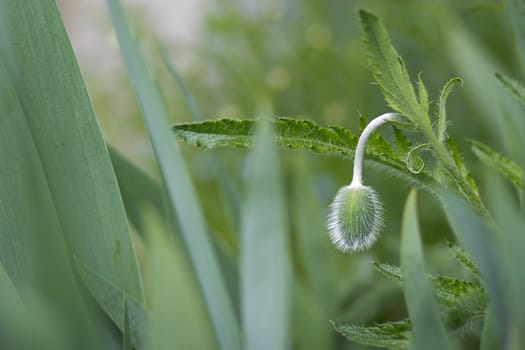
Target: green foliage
(264,281)
(180,191)
(503,165)
(389,70)
(442,116)
(391,335)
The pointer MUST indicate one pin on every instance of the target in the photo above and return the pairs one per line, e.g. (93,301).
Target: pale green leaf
(442,113)
(178,318)
(516,12)
(181,194)
(264,255)
(114,301)
(392,335)
(415,163)
(55,118)
(127,343)
(428,331)
(388,68)
(505,166)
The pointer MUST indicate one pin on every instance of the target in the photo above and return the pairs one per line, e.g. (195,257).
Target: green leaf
(516,12)
(180,191)
(139,190)
(514,86)
(464,258)
(414,162)
(114,301)
(389,271)
(423,95)
(391,335)
(60,137)
(505,166)
(473,233)
(127,344)
(388,68)
(289,133)
(442,114)
(264,254)
(428,331)
(465,173)
(402,143)
(178,317)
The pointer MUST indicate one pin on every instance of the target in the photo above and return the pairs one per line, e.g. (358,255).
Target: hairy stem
(357,177)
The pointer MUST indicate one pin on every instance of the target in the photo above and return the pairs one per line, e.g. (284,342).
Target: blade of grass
(264,260)
(428,331)
(177,182)
(61,123)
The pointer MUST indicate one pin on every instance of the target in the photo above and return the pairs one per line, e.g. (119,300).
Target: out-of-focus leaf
(264,261)
(516,12)
(127,343)
(473,233)
(464,258)
(514,86)
(388,68)
(138,189)
(442,113)
(392,335)
(178,317)
(56,113)
(179,187)
(113,300)
(428,331)
(503,165)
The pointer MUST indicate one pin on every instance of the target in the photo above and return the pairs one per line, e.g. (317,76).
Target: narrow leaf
(127,344)
(392,335)
(427,326)
(514,86)
(442,114)
(388,68)
(265,262)
(503,165)
(423,95)
(177,182)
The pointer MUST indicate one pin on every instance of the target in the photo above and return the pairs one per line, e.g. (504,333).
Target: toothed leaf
(388,68)
(391,335)
(505,166)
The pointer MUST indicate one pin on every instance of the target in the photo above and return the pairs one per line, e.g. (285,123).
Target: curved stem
(357,179)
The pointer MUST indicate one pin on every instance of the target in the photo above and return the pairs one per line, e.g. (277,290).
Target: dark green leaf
(392,335)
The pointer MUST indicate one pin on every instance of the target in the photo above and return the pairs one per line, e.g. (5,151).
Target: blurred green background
(305,59)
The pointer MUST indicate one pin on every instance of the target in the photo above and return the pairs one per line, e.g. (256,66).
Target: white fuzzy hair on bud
(356,213)
(356,218)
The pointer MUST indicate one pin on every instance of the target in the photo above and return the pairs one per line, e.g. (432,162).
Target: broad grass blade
(265,263)
(180,191)
(428,331)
